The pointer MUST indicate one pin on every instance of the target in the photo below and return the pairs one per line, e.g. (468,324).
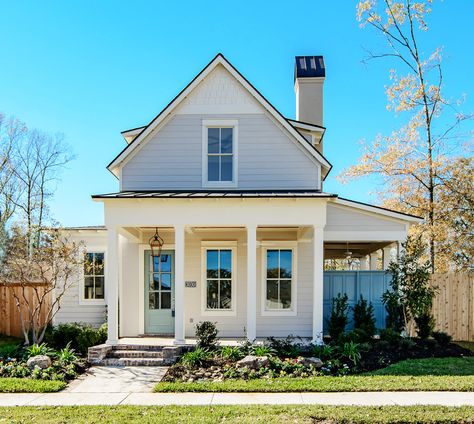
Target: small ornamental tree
(410,295)
(49,270)
(364,318)
(338,319)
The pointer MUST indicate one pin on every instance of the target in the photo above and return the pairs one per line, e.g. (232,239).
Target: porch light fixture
(156,244)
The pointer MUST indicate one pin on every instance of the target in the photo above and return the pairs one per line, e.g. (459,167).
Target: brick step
(137,347)
(134,354)
(133,362)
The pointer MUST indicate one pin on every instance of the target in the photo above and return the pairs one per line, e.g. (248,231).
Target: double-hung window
(219,280)
(279,281)
(219,153)
(94,276)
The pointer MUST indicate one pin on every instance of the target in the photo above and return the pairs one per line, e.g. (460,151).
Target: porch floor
(190,341)
(169,341)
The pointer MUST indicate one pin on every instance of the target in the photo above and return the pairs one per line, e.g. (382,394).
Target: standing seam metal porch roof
(199,194)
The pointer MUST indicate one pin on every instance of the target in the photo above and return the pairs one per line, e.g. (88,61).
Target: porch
(273,251)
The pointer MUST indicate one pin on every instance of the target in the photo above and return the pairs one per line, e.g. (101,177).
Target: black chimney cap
(309,67)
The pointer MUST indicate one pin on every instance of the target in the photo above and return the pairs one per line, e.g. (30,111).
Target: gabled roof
(218,60)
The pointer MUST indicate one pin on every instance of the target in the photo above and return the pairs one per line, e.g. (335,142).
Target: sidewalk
(361,398)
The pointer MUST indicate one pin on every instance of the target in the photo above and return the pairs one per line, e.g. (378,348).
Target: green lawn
(431,366)
(446,374)
(467,345)
(236,414)
(26,385)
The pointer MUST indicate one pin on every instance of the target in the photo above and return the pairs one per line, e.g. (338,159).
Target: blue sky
(91,69)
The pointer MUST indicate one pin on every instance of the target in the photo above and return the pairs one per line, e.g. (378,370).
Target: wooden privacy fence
(453,307)
(10,323)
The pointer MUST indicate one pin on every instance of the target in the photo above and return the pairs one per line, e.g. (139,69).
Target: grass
(26,385)
(431,366)
(466,345)
(444,374)
(7,344)
(267,414)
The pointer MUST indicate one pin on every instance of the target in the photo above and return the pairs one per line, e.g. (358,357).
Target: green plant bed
(352,383)
(27,385)
(267,414)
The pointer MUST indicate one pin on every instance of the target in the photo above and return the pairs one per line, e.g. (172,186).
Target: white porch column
(251,282)
(179,284)
(318,280)
(374,257)
(364,264)
(387,256)
(112,284)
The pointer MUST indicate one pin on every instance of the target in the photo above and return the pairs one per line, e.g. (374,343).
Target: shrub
(206,334)
(357,335)
(262,350)
(364,318)
(425,324)
(78,336)
(406,343)
(39,349)
(351,351)
(286,348)
(67,355)
(338,319)
(323,352)
(195,358)
(441,337)
(234,353)
(390,336)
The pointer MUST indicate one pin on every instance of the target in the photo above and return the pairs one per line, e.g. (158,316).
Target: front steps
(129,355)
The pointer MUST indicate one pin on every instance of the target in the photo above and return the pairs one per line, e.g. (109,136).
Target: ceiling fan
(351,255)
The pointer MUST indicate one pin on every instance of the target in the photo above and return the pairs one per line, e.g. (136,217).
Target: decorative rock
(40,361)
(253,362)
(315,362)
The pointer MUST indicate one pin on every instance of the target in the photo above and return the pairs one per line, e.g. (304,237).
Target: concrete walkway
(123,398)
(117,380)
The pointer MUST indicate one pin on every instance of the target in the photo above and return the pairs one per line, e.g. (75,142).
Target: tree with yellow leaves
(426,166)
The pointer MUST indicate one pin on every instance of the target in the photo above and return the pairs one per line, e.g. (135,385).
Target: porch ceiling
(337,250)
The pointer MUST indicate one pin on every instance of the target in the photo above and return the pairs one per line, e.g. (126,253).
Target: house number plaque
(190,284)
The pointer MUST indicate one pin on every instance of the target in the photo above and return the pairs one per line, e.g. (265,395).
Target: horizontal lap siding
(267,157)
(301,324)
(229,326)
(340,218)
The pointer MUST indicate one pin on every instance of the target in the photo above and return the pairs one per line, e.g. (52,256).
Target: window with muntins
(94,277)
(279,279)
(220,154)
(218,279)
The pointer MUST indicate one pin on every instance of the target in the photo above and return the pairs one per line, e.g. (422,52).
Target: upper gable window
(219,153)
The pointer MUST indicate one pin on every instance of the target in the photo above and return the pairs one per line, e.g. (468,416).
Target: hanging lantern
(156,244)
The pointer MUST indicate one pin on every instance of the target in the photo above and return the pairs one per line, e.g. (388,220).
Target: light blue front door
(159,293)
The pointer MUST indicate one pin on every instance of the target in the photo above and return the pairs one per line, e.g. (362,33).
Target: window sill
(218,313)
(92,302)
(279,313)
(219,184)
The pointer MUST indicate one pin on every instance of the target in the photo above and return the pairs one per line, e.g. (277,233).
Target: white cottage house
(236,192)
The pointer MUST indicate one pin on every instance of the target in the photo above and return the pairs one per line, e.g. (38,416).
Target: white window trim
(221,245)
(219,123)
(282,245)
(92,302)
